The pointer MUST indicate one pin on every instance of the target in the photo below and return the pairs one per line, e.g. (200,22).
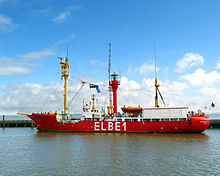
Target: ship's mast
(156,84)
(65,75)
(93,103)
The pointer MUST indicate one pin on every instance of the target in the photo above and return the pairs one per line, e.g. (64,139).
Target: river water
(25,151)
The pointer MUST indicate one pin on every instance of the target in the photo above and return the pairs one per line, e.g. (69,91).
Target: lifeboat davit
(131,109)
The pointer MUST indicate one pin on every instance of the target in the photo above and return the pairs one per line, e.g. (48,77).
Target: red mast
(114,84)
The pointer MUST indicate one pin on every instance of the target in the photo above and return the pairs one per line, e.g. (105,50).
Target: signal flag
(95,86)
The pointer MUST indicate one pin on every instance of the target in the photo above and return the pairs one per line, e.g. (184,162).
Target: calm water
(25,151)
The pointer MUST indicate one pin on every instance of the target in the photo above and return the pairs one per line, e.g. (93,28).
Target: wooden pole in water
(3,121)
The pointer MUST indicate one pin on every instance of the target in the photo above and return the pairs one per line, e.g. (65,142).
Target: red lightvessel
(132,120)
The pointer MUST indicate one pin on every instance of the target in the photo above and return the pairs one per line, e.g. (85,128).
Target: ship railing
(152,119)
(129,119)
(165,119)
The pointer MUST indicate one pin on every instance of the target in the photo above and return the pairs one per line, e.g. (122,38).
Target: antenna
(67,48)
(109,75)
(156,84)
(155,61)
(109,61)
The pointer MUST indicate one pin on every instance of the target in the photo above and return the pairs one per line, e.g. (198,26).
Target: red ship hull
(48,122)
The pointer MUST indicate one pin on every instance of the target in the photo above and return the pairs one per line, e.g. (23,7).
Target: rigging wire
(75,96)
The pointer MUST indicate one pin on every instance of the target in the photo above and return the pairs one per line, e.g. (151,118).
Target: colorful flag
(95,86)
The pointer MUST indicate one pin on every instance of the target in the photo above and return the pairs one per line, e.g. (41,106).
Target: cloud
(218,65)
(189,60)
(206,91)
(62,17)
(32,97)
(129,85)
(6,24)
(144,69)
(13,70)
(93,61)
(71,36)
(38,55)
(174,88)
(172,92)
(9,67)
(201,78)
(24,97)
(20,65)
(97,62)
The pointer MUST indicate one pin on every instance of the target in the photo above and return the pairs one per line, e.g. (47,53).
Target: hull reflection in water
(196,137)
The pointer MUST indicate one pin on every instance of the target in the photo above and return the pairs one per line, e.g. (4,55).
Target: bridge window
(146,120)
(174,119)
(155,120)
(165,119)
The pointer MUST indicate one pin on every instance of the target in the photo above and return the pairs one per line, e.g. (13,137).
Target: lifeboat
(131,109)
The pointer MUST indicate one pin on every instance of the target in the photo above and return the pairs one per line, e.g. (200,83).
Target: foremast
(65,75)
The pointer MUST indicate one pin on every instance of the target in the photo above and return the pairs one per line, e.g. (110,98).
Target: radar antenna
(109,75)
(110,107)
